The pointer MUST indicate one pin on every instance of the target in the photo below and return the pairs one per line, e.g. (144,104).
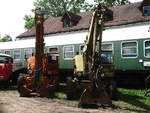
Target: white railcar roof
(127,33)
(17,44)
(66,39)
(62,39)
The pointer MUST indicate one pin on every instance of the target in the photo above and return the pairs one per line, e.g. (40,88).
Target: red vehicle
(6,68)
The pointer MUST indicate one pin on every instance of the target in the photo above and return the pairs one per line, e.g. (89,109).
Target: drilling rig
(41,79)
(92,76)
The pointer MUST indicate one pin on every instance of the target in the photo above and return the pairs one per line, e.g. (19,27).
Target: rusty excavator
(93,77)
(41,79)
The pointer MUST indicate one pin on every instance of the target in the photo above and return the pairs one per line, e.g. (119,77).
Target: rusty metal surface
(89,96)
(39,47)
(37,81)
(25,85)
(95,92)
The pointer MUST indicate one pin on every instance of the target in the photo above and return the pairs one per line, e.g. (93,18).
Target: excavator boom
(94,37)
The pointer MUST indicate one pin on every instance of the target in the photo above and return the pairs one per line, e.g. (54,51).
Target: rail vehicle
(131,52)
(65,50)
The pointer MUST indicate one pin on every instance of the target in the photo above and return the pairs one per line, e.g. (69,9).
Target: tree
(55,8)
(110,3)
(29,21)
(6,38)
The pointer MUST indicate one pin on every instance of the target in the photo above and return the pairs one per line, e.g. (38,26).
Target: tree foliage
(55,8)
(29,21)
(110,3)
(6,38)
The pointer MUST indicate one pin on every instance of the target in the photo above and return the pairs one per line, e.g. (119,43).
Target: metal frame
(64,52)
(129,42)
(145,48)
(19,53)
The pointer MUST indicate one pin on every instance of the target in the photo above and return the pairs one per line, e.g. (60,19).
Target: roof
(122,15)
(71,16)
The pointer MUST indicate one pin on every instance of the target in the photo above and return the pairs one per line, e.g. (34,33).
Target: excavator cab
(108,68)
(107,63)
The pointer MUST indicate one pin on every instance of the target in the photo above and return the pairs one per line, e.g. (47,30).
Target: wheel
(147,82)
(4,84)
(70,90)
(113,89)
(19,83)
(24,85)
(14,78)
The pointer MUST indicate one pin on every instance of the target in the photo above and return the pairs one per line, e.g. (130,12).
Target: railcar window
(147,49)
(4,59)
(129,49)
(106,46)
(68,52)
(8,52)
(27,52)
(2,51)
(53,50)
(17,54)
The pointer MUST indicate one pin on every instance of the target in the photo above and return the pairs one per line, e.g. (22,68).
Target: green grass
(133,100)
(129,99)
(61,95)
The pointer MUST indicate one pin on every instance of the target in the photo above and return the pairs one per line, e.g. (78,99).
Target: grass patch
(61,95)
(134,100)
(129,99)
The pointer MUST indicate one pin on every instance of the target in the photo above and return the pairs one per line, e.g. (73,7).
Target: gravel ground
(10,102)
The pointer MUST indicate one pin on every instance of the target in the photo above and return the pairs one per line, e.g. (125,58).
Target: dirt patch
(10,102)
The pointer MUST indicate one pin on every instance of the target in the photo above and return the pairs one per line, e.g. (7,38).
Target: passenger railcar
(66,45)
(130,46)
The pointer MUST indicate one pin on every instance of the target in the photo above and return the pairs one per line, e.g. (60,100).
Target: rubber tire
(113,90)
(70,89)
(19,83)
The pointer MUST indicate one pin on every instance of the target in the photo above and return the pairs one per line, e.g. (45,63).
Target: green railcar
(130,46)
(131,60)
(21,50)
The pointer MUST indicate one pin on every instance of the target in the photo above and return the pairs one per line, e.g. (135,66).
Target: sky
(12,13)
